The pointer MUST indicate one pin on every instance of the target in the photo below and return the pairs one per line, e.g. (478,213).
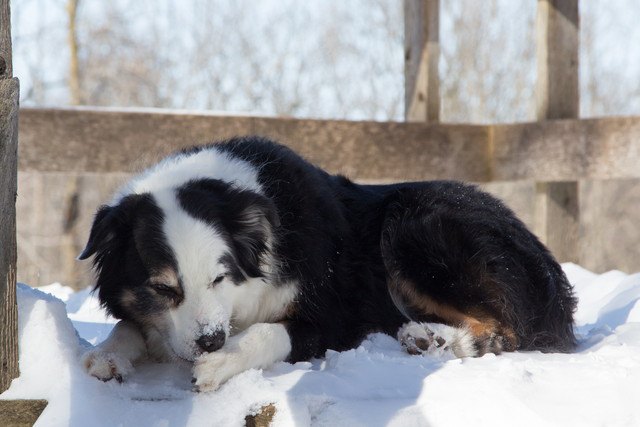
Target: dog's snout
(211,342)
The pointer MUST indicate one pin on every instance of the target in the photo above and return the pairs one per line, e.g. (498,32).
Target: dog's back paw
(106,366)
(436,339)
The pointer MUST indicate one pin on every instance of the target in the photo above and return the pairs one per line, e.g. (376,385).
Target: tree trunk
(74,68)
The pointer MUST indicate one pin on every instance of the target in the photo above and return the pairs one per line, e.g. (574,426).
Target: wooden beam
(556,218)
(422,53)
(20,413)
(9,96)
(558,39)
(6,67)
(78,140)
(565,150)
(98,140)
(557,97)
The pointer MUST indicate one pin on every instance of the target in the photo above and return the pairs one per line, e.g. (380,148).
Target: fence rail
(99,140)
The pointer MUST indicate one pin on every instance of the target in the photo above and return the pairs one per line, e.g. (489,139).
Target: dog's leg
(114,357)
(259,346)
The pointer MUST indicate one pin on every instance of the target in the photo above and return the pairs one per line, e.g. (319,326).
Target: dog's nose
(211,342)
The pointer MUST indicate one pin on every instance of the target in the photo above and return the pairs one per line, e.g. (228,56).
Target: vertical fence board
(557,46)
(9,96)
(8,180)
(557,218)
(422,52)
(6,68)
(558,209)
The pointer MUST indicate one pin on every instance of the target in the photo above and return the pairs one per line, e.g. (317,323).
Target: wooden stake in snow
(9,92)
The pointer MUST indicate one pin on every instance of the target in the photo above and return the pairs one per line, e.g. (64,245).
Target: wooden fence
(9,94)
(557,151)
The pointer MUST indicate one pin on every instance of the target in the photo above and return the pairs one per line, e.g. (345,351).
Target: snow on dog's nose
(211,342)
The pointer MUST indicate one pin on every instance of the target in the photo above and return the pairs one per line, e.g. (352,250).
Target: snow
(376,384)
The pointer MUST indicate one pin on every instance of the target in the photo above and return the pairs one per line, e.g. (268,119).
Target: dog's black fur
(345,243)
(368,257)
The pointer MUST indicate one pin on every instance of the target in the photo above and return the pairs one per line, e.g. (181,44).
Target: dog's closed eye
(165,290)
(218,279)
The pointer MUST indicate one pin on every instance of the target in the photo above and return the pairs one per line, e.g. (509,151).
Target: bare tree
(316,58)
(322,59)
(74,69)
(609,67)
(488,62)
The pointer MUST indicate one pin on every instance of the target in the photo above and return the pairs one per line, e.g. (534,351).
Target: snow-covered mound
(375,384)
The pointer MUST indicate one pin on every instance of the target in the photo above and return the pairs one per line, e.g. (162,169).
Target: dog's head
(181,262)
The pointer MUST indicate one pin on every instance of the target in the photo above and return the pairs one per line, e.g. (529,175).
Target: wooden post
(557,215)
(557,203)
(422,52)
(9,95)
(557,39)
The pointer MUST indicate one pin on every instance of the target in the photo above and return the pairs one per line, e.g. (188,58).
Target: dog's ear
(252,230)
(100,231)
(110,222)
(248,218)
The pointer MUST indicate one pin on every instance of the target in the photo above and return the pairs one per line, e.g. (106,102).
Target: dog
(241,254)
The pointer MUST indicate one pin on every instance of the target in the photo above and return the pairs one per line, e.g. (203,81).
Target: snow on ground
(375,384)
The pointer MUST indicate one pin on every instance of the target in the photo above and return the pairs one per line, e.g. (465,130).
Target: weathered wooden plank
(262,418)
(6,67)
(609,232)
(558,40)
(562,150)
(20,413)
(557,215)
(122,141)
(556,220)
(422,52)
(8,190)
(9,96)
(84,140)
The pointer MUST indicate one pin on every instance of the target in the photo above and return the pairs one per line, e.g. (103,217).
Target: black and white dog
(240,254)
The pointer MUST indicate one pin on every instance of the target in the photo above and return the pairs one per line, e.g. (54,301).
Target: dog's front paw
(106,366)
(210,370)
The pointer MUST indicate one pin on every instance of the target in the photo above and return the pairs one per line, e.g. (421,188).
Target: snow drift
(376,384)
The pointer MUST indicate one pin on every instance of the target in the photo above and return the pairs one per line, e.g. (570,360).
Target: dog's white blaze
(197,248)
(175,171)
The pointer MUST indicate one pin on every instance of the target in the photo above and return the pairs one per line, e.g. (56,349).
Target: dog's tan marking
(485,328)
(127,298)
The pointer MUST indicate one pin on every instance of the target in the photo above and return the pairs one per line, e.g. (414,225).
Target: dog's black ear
(249,219)
(253,230)
(109,222)
(101,231)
